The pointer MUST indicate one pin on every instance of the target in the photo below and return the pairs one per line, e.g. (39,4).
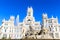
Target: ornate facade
(52,25)
(21,29)
(29,27)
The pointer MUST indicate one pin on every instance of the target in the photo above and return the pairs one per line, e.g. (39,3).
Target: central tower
(29,18)
(30,11)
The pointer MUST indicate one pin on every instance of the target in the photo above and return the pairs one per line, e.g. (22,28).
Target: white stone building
(52,25)
(29,27)
(18,31)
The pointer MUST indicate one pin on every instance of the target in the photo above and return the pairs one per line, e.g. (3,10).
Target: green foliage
(9,37)
(3,38)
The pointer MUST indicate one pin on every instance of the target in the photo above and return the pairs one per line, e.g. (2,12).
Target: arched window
(29,14)
(29,20)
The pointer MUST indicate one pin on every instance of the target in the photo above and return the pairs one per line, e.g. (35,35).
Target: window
(17,31)
(6,23)
(59,28)
(29,14)
(5,30)
(5,35)
(54,21)
(50,21)
(5,27)
(51,34)
(12,31)
(50,29)
(20,35)
(57,35)
(21,24)
(29,20)
(27,24)
(56,29)
(36,24)
(17,35)
(20,27)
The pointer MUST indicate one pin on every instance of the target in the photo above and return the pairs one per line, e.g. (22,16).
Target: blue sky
(15,7)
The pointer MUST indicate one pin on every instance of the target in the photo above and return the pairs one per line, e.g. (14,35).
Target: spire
(44,15)
(56,19)
(52,17)
(12,18)
(3,20)
(17,19)
(30,11)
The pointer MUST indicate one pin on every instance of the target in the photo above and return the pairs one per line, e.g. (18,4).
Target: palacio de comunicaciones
(29,28)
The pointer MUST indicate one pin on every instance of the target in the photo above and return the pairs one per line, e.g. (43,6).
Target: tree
(3,38)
